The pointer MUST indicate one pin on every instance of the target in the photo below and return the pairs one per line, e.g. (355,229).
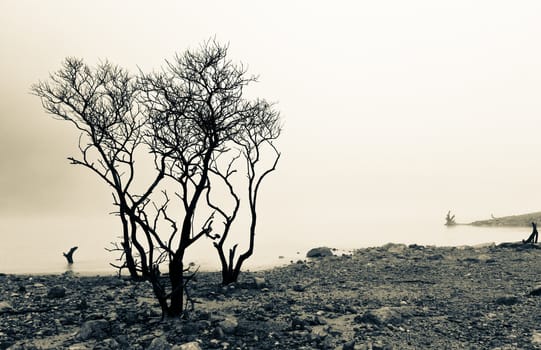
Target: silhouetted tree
(102,104)
(259,128)
(188,115)
(197,108)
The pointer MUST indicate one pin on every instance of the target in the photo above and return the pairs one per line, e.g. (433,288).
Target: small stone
(82,305)
(218,333)
(507,300)
(109,344)
(56,292)
(5,307)
(536,338)
(259,282)
(297,323)
(159,343)
(380,316)
(298,288)
(97,329)
(319,252)
(536,290)
(229,325)
(190,328)
(350,345)
(188,346)
(395,248)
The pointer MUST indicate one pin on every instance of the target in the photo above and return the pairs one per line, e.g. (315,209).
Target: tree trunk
(130,262)
(69,255)
(176,275)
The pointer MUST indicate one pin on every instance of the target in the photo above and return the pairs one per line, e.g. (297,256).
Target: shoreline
(283,261)
(388,297)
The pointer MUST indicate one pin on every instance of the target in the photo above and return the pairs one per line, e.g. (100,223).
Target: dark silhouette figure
(69,255)
(534,236)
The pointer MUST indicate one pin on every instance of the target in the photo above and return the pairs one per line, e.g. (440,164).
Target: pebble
(229,325)
(5,307)
(188,346)
(536,290)
(507,300)
(97,329)
(159,343)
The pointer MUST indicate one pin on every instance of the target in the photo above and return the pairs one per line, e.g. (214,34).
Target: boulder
(97,329)
(319,252)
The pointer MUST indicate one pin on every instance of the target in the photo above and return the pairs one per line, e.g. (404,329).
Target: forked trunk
(130,261)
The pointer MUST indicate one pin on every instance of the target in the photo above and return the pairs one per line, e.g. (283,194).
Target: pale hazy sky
(400,107)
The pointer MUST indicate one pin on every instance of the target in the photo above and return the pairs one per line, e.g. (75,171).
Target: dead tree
(259,129)
(69,255)
(450,220)
(102,104)
(197,111)
(186,115)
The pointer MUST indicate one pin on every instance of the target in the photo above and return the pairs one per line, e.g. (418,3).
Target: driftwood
(69,255)
(450,220)
(533,236)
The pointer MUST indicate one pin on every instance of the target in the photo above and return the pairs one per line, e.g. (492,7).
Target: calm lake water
(35,244)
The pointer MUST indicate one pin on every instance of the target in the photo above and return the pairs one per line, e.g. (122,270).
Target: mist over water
(394,113)
(35,244)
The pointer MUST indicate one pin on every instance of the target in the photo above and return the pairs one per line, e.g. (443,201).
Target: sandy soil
(390,297)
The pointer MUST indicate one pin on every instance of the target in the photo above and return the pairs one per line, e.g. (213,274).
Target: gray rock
(188,346)
(299,287)
(229,325)
(319,252)
(56,292)
(109,344)
(381,316)
(190,328)
(218,333)
(536,338)
(159,344)
(97,329)
(79,346)
(259,282)
(395,248)
(350,345)
(536,290)
(5,307)
(507,300)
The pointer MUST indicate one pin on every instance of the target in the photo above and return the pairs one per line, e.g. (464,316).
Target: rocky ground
(390,297)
